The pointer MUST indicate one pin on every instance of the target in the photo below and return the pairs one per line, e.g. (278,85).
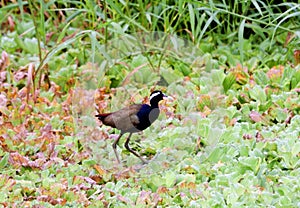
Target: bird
(132,119)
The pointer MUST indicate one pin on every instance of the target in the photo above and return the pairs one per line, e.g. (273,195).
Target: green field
(227,136)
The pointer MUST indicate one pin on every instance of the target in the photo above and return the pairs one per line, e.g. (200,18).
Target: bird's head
(155,97)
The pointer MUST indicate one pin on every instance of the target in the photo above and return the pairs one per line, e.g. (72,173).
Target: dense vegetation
(227,136)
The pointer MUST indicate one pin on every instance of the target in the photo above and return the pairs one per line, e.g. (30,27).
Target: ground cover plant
(227,136)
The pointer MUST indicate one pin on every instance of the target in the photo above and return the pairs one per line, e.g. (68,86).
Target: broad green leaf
(4,160)
(89,162)
(296,149)
(261,78)
(228,82)
(170,178)
(251,162)
(215,155)
(258,94)
(170,75)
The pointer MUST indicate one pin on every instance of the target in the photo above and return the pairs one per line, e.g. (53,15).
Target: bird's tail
(102,116)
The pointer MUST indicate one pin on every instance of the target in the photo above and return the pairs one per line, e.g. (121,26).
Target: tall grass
(61,25)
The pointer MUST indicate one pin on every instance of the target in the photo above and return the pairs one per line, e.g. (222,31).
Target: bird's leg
(115,146)
(133,152)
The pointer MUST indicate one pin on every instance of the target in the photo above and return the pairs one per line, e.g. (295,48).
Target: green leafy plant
(228,135)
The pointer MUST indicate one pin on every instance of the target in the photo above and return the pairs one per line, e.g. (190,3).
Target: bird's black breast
(147,115)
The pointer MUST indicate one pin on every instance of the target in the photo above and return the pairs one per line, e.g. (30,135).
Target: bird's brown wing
(124,119)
